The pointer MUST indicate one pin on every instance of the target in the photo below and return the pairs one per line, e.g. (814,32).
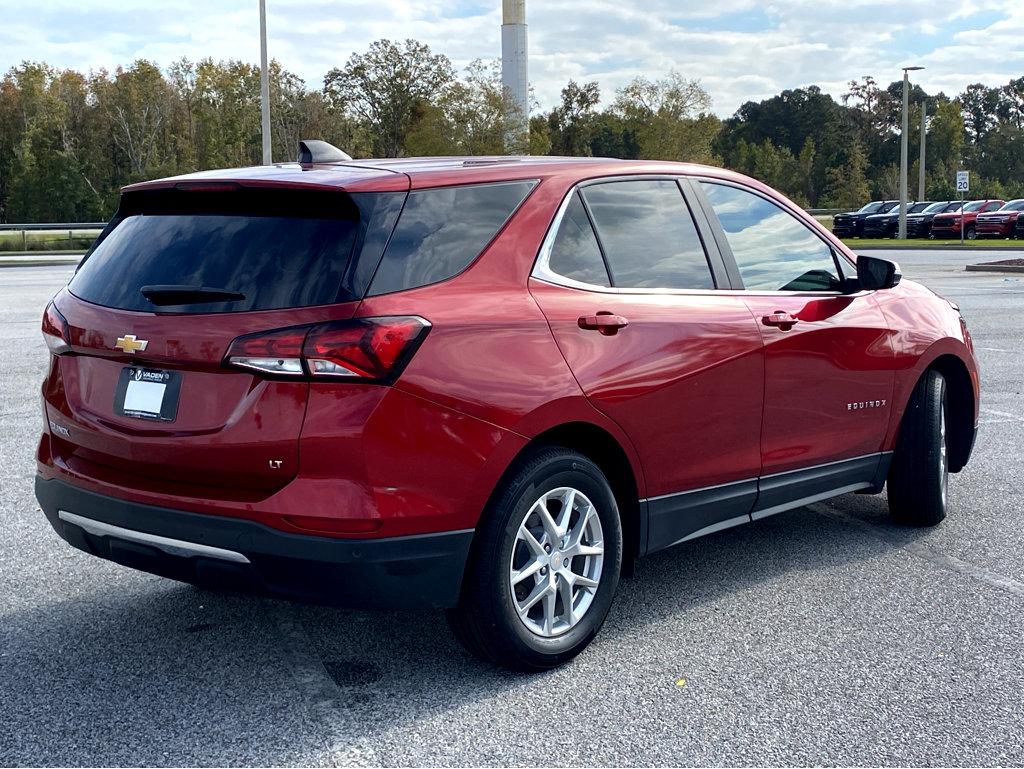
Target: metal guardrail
(55,226)
(70,227)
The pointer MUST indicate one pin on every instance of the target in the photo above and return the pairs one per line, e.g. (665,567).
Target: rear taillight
(55,330)
(365,350)
(273,352)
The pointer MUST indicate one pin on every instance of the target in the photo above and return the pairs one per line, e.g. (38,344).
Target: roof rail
(317,151)
(492,161)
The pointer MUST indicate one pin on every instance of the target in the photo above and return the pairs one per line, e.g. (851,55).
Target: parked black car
(919,225)
(1018,232)
(851,225)
(887,225)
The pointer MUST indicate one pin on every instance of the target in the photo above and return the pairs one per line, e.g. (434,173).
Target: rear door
(144,398)
(632,297)
(828,359)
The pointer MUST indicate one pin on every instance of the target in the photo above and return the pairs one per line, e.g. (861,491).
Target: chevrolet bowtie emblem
(130,344)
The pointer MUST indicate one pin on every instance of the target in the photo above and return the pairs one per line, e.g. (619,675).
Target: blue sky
(739,49)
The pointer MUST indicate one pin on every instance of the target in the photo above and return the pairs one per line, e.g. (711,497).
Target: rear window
(442,230)
(278,249)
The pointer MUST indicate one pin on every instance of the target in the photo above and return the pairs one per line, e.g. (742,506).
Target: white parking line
(944,560)
(1007,416)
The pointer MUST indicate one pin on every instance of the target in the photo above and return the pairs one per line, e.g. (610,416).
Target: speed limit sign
(963,181)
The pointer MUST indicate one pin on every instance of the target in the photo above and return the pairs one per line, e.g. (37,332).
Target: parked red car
(1001,223)
(948,225)
(487,385)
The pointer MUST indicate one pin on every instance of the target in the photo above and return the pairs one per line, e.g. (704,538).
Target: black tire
(486,621)
(970,233)
(919,474)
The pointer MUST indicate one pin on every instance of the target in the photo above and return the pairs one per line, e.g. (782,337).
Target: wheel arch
(961,408)
(962,403)
(606,451)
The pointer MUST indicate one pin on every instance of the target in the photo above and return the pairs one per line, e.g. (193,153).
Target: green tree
(571,124)
(670,118)
(387,87)
(846,186)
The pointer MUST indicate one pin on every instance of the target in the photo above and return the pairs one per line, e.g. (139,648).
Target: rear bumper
(423,571)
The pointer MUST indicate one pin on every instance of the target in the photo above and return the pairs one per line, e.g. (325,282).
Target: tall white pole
(920,164)
(515,77)
(264,86)
(903,158)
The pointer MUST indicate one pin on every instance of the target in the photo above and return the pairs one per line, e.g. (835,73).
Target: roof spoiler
(317,151)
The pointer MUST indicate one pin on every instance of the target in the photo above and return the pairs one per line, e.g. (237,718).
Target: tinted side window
(774,251)
(441,231)
(575,253)
(648,235)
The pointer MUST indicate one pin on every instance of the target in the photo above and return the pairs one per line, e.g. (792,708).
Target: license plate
(145,393)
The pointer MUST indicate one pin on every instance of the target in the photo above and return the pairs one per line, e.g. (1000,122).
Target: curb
(996,249)
(994,268)
(42,260)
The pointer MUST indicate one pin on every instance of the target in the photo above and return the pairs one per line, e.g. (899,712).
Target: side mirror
(874,273)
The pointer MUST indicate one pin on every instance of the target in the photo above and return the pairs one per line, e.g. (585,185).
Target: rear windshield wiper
(175,294)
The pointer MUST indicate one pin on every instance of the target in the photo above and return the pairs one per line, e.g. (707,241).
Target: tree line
(69,141)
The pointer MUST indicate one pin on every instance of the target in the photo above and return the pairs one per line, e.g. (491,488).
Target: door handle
(604,322)
(781,319)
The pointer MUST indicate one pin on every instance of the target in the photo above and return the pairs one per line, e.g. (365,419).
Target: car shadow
(147,671)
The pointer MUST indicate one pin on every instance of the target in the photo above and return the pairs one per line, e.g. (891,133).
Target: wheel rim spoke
(550,527)
(533,567)
(531,541)
(549,611)
(568,612)
(568,500)
(541,590)
(584,582)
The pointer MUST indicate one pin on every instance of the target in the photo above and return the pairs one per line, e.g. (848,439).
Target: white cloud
(740,49)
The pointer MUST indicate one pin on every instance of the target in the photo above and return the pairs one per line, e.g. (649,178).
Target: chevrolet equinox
(484,385)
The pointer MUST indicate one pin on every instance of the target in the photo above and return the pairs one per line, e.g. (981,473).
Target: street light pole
(264,85)
(903,152)
(924,138)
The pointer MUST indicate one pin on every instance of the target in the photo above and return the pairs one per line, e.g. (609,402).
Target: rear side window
(773,250)
(575,253)
(277,249)
(648,235)
(442,230)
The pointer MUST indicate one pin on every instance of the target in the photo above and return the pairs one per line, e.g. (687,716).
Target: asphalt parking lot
(825,635)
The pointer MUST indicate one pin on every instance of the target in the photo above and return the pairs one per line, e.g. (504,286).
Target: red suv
(483,385)
(1001,223)
(950,225)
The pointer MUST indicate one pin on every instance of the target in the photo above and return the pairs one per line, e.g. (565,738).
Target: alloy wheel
(557,561)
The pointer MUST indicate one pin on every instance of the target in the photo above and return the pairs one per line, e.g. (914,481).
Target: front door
(828,359)
(630,293)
